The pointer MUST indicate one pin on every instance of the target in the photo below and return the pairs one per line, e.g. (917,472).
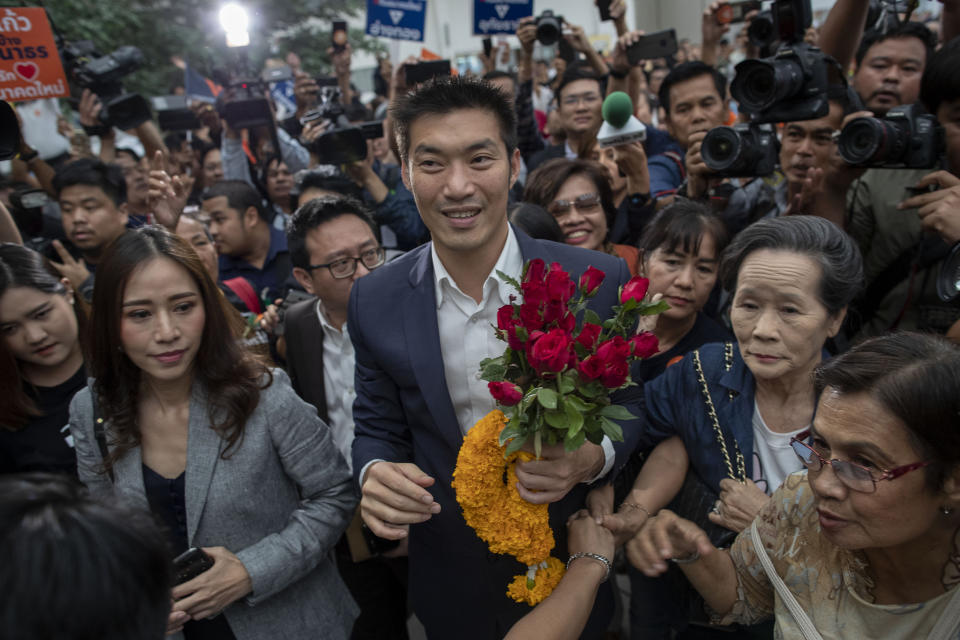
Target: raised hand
(70,268)
(167,196)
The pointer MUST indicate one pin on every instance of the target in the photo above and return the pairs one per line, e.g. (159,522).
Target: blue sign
(396,19)
(499,16)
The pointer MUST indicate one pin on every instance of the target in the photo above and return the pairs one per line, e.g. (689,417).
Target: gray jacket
(280,502)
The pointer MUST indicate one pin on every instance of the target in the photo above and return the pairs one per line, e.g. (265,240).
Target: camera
(549,28)
(762,33)
(102,75)
(242,103)
(907,137)
(741,150)
(793,83)
(343,142)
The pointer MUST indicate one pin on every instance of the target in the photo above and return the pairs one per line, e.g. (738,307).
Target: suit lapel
(423,340)
(203,452)
(312,344)
(128,473)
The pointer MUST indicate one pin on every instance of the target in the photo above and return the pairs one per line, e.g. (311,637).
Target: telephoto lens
(549,28)
(760,84)
(740,151)
(874,141)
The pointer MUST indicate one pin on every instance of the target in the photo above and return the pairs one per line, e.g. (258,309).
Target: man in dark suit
(332,243)
(420,327)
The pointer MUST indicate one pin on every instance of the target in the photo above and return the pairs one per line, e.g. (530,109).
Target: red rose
(505,393)
(567,322)
(551,352)
(534,293)
(553,311)
(635,289)
(614,375)
(589,334)
(591,368)
(644,345)
(536,269)
(591,280)
(530,317)
(505,317)
(560,288)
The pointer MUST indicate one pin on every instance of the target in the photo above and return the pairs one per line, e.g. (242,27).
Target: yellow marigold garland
(506,522)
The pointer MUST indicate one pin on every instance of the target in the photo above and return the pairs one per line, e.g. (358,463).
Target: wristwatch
(28,154)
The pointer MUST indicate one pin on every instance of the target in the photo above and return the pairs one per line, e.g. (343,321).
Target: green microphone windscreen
(617,109)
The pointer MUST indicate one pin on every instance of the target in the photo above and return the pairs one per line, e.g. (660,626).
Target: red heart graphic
(26,70)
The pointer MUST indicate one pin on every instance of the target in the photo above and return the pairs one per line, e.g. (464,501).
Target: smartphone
(604,7)
(338,38)
(423,71)
(655,45)
(293,297)
(487,47)
(189,564)
(283,73)
(732,12)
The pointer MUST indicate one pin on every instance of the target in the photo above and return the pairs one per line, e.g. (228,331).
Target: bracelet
(693,557)
(592,556)
(29,156)
(638,507)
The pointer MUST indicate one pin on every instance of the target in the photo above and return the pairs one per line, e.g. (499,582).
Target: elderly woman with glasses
(578,194)
(865,543)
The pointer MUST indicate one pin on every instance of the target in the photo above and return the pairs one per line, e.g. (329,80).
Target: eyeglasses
(346,267)
(853,475)
(587,98)
(583,203)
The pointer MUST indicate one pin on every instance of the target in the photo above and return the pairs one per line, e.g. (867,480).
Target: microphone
(619,126)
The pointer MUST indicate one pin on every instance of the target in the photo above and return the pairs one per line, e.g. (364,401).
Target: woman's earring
(946,510)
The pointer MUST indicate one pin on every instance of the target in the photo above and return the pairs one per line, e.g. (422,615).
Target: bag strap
(740,474)
(99,432)
(245,292)
(800,616)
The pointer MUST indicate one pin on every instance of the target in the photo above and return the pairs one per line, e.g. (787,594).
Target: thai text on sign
(30,66)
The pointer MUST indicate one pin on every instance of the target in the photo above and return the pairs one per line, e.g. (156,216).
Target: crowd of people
(236,376)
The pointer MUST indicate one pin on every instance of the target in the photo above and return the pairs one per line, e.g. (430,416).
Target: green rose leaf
(616,412)
(493,371)
(579,405)
(547,398)
(566,383)
(611,429)
(574,441)
(514,446)
(509,280)
(511,431)
(654,309)
(557,419)
(591,316)
(592,389)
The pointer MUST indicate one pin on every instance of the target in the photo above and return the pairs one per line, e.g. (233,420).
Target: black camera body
(741,150)
(791,85)
(243,104)
(343,142)
(102,74)
(906,138)
(549,28)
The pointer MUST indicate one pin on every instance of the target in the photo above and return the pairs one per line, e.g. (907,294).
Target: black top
(168,505)
(44,442)
(704,331)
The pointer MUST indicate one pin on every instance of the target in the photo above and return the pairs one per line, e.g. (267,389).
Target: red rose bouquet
(562,360)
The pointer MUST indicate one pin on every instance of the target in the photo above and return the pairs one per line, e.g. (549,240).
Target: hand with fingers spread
(69,267)
(167,196)
(802,203)
(394,496)
(216,588)
(577,38)
(664,537)
(557,471)
(739,504)
(939,210)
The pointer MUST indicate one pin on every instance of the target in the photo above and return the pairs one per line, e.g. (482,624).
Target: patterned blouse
(831,584)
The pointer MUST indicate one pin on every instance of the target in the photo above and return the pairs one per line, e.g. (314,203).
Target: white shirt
(774,458)
(39,119)
(338,379)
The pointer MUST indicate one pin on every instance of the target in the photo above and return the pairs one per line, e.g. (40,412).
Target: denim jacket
(675,407)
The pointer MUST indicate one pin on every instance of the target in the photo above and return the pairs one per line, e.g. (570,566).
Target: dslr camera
(906,138)
(102,74)
(549,28)
(741,150)
(343,142)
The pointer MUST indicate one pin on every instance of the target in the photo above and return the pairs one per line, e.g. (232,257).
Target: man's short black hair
(76,568)
(443,95)
(315,213)
(941,81)
(174,140)
(94,173)
(687,71)
(130,152)
(577,72)
(240,196)
(911,29)
(497,74)
(327,178)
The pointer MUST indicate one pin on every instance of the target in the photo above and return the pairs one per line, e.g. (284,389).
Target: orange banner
(30,66)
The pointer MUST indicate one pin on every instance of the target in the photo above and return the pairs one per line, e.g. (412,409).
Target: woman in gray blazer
(216,445)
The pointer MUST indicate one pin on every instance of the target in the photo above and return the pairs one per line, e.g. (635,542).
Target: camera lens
(759,84)
(869,141)
(761,30)
(548,30)
(948,281)
(722,148)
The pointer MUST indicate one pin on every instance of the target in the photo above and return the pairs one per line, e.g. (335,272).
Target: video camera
(242,103)
(906,138)
(102,75)
(791,85)
(343,142)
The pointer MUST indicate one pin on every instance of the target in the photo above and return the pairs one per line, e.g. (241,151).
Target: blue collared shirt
(273,277)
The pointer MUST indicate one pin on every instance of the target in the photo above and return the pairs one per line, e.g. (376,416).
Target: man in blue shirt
(248,245)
